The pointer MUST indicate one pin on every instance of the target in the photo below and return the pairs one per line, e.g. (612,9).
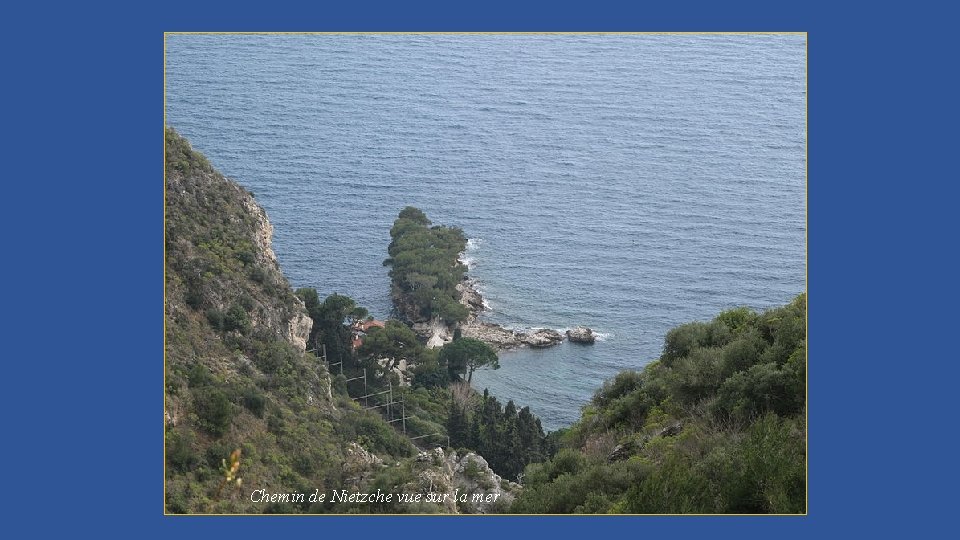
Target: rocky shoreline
(498,337)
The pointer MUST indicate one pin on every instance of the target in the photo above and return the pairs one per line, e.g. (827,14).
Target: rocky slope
(236,375)
(238,381)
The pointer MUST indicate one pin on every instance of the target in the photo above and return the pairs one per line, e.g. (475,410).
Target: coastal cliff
(238,384)
(219,253)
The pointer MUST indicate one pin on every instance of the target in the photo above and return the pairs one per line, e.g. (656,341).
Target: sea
(625,182)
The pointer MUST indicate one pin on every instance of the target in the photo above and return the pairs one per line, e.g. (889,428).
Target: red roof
(361,327)
(365,326)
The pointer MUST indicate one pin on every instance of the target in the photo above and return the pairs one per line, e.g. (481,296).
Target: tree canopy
(331,321)
(465,355)
(425,268)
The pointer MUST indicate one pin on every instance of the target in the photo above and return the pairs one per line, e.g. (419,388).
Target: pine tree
(457,426)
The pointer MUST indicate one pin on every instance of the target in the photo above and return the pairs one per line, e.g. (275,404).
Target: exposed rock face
(622,452)
(458,475)
(672,430)
(359,463)
(263,238)
(298,329)
(435,332)
(494,335)
(474,476)
(469,296)
(542,338)
(581,334)
(398,367)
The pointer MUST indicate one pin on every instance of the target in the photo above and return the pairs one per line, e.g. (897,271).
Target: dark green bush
(181,455)
(254,401)
(214,409)
(236,318)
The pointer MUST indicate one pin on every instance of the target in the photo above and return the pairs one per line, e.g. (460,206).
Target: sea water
(629,183)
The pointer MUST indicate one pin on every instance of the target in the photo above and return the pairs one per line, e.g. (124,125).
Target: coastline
(500,338)
(495,335)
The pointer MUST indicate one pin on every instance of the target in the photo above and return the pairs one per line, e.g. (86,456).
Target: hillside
(236,374)
(716,425)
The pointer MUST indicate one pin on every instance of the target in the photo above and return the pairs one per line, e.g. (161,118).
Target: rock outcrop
(542,338)
(359,464)
(469,296)
(494,335)
(435,332)
(581,334)
(470,475)
(298,328)
(497,336)
(502,338)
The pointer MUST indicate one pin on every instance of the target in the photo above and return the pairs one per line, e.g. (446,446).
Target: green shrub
(276,357)
(236,318)
(213,409)
(622,384)
(375,435)
(198,376)
(254,401)
(181,455)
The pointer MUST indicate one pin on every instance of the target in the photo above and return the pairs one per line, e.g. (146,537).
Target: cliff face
(236,376)
(238,382)
(218,252)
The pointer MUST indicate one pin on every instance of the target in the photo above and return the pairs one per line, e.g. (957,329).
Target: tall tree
(394,342)
(331,320)
(457,425)
(465,355)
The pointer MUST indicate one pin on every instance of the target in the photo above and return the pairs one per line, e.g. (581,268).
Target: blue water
(628,183)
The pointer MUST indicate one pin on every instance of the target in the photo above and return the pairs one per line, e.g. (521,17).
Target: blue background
(83,289)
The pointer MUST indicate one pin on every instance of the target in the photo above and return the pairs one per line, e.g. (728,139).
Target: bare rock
(469,296)
(359,464)
(581,334)
(298,327)
(622,452)
(543,337)
(492,334)
(672,430)
(472,475)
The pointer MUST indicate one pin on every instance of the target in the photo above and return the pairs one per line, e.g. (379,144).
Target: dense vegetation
(439,403)
(716,425)
(509,439)
(331,322)
(425,268)
(233,379)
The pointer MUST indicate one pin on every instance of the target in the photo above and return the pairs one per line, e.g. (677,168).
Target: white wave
(465,257)
(602,336)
